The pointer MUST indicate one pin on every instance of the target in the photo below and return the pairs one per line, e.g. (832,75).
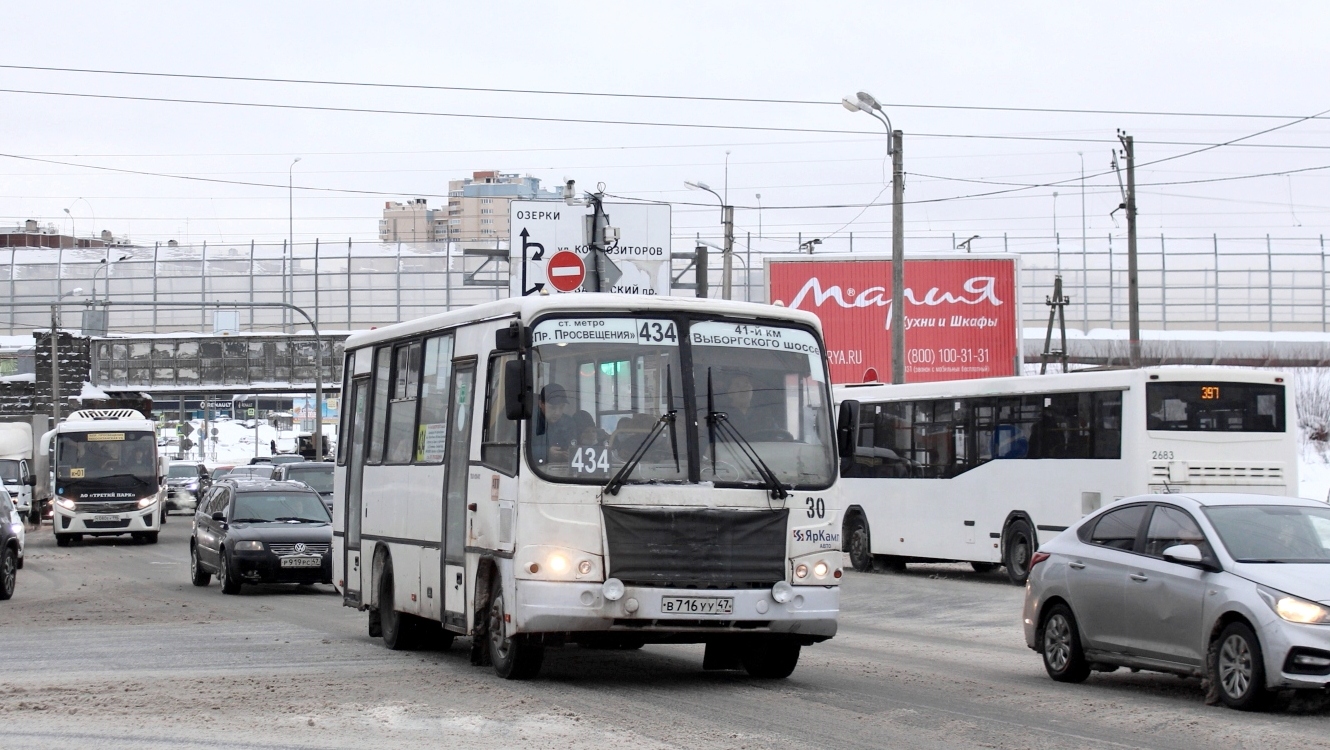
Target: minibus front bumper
(565,607)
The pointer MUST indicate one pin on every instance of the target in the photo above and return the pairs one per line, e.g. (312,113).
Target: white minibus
(592,469)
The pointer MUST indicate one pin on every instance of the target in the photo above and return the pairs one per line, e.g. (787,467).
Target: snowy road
(108,644)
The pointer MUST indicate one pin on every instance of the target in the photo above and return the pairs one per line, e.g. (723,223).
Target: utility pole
(727,270)
(1133,291)
(55,365)
(897,259)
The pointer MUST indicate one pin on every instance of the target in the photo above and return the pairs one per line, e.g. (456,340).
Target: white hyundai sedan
(1232,588)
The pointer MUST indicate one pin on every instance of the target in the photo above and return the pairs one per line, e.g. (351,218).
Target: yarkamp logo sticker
(816,536)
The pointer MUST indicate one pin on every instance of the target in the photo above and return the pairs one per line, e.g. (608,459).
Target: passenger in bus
(555,429)
(584,426)
(748,419)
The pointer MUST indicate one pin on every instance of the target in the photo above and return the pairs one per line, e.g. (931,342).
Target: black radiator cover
(702,548)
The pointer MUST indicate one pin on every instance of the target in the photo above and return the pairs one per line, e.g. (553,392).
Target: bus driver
(555,429)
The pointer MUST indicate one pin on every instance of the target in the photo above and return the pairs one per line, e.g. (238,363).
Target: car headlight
(65,503)
(146,501)
(1294,609)
(248,546)
(17,528)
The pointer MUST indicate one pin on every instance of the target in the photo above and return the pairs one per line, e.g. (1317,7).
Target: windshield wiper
(251,520)
(666,421)
(719,421)
(302,520)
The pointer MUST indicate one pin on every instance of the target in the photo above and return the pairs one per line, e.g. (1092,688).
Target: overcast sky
(1211,57)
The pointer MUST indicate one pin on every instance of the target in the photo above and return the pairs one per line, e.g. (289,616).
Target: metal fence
(1258,283)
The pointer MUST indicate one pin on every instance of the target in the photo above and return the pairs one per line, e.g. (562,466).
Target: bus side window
(402,409)
(432,427)
(1108,424)
(498,443)
(379,413)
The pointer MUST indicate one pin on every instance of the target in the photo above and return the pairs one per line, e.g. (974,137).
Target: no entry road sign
(566,271)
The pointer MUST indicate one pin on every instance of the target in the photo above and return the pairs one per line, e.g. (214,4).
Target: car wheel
(1018,551)
(513,658)
(1060,644)
(163,521)
(225,577)
(770,660)
(859,544)
(8,573)
(199,577)
(983,567)
(1239,668)
(62,540)
(398,628)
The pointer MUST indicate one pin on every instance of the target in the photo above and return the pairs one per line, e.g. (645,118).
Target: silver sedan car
(1231,588)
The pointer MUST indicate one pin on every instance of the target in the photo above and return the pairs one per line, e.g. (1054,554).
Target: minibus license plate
(302,562)
(97,519)
(696,605)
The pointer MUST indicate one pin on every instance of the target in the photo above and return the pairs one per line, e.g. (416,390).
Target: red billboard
(962,314)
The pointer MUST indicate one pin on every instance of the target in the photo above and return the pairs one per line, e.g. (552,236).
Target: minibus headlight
(801,571)
(613,589)
(145,502)
(820,569)
(584,567)
(558,564)
(65,503)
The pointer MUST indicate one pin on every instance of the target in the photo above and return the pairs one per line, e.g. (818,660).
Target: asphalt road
(107,644)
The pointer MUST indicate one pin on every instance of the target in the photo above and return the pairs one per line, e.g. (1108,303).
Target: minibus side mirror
(30,480)
(509,339)
(847,427)
(516,395)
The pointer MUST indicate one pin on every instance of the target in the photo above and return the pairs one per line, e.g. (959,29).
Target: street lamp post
(864,102)
(105,265)
(727,223)
(290,241)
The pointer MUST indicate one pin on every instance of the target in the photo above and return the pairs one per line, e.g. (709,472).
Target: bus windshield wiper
(666,421)
(718,421)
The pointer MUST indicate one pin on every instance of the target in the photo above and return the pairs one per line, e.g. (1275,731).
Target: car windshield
(1273,533)
(9,471)
(182,470)
(98,455)
(319,478)
(279,506)
(241,472)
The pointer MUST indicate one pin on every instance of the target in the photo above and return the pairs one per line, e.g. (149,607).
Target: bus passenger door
(453,582)
(355,472)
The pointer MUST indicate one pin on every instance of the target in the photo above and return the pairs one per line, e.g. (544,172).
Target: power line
(666,97)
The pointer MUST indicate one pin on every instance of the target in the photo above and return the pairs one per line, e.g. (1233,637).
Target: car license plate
(106,518)
(302,562)
(696,605)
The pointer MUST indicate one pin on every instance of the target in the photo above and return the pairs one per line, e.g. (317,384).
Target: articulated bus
(982,470)
(590,469)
